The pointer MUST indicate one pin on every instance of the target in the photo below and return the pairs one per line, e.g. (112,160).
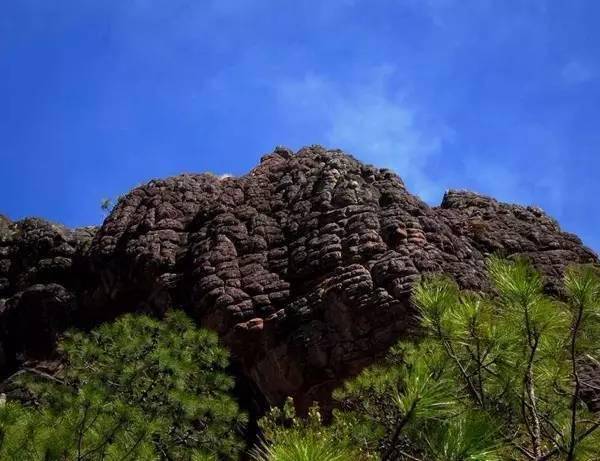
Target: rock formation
(304,266)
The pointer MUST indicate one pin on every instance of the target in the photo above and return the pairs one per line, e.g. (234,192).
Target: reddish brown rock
(304,266)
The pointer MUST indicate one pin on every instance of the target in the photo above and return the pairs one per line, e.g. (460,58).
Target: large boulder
(304,266)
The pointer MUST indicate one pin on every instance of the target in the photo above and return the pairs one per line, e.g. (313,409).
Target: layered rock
(304,266)
(39,286)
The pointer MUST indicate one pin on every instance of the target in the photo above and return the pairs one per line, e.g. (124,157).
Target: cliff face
(304,266)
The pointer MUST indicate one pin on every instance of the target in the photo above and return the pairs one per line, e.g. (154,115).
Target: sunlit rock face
(304,266)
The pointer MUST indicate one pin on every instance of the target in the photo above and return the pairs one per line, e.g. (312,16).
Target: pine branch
(533,342)
(39,373)
(398,430)
(450,351)
(131,451)
(575,373)
(81,429)
(524,451)
(106,441)
(406,455)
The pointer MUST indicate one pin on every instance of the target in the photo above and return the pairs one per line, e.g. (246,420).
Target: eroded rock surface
(39,283)
(304,266)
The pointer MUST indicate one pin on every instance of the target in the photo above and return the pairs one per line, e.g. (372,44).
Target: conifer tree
(286,437)
(494,376)
(138,389)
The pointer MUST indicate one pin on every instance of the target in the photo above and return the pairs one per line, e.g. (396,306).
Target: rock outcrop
(304,266)
(39,283)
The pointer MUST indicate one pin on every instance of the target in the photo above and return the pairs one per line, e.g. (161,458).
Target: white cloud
(374,122)
(382,126)
(575,72)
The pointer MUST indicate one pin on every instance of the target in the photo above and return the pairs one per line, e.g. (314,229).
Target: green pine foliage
(287,437)
(494,377)
(135,389)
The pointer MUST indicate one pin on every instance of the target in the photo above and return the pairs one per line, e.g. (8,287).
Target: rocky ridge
(304,266)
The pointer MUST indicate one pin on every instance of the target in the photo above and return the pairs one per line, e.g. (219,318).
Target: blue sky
(501,97)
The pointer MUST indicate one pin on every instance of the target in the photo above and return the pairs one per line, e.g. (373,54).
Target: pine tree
(286,437)
(494,376)
(138,389)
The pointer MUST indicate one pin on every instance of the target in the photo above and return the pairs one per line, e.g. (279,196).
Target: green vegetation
(493,377)
(135,389)
(108,204)
(286,437)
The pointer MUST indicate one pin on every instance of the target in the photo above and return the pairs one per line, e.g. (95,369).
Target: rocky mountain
(304,266)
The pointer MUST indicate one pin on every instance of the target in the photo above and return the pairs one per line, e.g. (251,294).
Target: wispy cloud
(373,120)
(575,72)
(380,124)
